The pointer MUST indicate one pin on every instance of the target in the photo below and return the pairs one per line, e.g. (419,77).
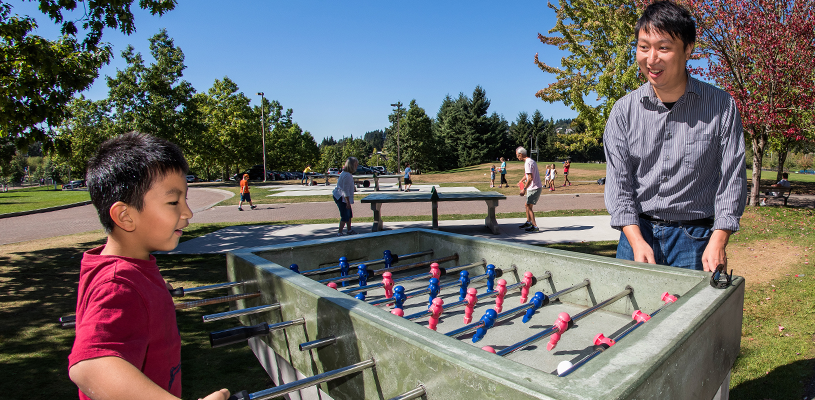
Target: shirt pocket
(700,150)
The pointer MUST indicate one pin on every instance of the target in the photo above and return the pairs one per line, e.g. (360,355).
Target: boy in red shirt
(127,343)
(245,196)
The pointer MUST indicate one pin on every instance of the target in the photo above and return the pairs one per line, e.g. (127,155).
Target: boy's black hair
(668,17)
(784,175)
(125,168)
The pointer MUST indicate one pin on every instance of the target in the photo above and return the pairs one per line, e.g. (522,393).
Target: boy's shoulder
(98,269)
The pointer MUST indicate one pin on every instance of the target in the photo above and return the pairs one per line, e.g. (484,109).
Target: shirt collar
(693,86)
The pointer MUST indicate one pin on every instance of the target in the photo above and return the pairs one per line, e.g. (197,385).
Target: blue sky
(340,65)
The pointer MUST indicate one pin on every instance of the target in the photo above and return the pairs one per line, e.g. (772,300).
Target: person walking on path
(675,182)
(552,176)
(344,195)
(566,166)
(305,174)
(503,173)
(408,182)
(245,196)
(530,186)
(492,176)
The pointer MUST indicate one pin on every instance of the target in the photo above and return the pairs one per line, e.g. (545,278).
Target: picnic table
(491,198)
(358,179)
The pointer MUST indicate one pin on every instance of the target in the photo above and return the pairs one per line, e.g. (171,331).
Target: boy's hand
(222,394)
(169,286)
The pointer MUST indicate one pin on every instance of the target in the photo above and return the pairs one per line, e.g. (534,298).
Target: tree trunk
(759,142)
(782,158)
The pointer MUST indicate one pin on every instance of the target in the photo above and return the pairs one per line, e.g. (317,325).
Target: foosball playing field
(420,313)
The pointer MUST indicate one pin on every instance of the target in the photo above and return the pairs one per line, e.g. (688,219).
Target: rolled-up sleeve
(619,191)
(731,194)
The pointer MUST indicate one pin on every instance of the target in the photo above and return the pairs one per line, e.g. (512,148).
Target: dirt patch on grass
(54,242)
(762,261)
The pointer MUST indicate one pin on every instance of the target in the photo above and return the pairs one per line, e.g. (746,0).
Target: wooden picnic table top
(423,197)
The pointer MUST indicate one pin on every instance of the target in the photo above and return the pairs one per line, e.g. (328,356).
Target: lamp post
(398,131)
(263,131)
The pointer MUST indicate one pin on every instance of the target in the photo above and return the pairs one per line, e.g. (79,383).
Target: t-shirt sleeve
(114,323)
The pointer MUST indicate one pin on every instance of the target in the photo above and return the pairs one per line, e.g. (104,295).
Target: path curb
(43,210)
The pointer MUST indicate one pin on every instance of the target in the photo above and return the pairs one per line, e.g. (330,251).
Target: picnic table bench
(491,198)
(358,179)
(783,192)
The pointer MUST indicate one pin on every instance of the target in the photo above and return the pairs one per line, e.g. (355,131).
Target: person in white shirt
(531,187)
(344,195)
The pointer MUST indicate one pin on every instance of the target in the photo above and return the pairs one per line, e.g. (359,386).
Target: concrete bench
(491,198)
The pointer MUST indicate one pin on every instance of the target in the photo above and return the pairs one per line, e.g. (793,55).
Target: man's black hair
(667,17)
(125,168)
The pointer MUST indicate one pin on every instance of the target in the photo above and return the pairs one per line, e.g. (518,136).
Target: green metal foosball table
(426,314)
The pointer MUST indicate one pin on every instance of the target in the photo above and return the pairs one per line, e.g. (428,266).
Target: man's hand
(642,250)
(222,394)
(715,253)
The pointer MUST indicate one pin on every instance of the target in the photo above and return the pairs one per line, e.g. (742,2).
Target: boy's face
(165,214)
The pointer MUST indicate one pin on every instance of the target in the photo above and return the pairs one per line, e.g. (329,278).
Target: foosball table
(417,313)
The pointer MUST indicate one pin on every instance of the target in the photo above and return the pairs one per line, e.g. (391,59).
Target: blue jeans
(674,244)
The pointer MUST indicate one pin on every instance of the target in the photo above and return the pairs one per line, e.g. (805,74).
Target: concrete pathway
(553,230)
(85,219)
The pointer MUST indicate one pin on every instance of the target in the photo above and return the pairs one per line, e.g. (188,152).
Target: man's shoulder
(707,91)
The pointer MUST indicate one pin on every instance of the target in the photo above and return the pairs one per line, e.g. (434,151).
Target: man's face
(662,58)
(159,224)
(518,155)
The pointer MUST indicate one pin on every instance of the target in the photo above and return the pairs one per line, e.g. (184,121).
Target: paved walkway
(85,219)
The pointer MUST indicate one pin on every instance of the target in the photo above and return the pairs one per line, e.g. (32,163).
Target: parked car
(333,171)
(192,178)
(255,174)
(363,170)
(74,184)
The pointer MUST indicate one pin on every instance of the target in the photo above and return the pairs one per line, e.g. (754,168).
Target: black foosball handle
(237,335)
(242,395)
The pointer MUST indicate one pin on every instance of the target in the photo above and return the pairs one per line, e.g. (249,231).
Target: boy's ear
(120,214)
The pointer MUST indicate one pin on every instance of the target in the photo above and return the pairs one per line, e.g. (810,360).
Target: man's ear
(120,214)
(689,50)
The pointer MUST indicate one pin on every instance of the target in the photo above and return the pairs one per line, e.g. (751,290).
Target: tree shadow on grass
(39,286)
(791,381)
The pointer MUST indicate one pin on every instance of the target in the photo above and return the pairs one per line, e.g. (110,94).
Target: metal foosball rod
(241,333)
(563,323)
(373,273)
(241,312)
(426,275)
(417,393)
(70,320)
(181,292)
(462,303)
(305,382)
(395,258)
(215,300)
(510,313)
(413,293)
(319,343)
(601,343)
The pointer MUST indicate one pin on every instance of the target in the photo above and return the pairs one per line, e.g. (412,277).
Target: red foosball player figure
(527,281)
(435,272)
(502,291)
(468,309)
(435,311)
(387,283)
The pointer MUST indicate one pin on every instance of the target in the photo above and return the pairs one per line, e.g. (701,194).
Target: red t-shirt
(125,310)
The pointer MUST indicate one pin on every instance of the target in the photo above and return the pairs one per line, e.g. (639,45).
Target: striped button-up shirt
(680,164)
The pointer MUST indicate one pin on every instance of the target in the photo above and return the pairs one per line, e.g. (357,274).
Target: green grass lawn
(38,280)
(39,197)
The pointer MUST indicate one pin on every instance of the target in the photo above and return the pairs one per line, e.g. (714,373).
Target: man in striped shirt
(676,184)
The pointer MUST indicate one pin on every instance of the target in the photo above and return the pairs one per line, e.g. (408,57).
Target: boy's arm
(109,378)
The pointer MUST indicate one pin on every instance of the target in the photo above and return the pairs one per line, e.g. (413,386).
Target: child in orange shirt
(245,196)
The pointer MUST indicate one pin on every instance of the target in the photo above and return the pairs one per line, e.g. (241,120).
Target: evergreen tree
(375,138)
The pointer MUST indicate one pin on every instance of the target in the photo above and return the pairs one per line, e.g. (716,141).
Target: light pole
(398,110)
(263,130)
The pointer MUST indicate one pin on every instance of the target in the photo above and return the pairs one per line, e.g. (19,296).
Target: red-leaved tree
(763,53)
